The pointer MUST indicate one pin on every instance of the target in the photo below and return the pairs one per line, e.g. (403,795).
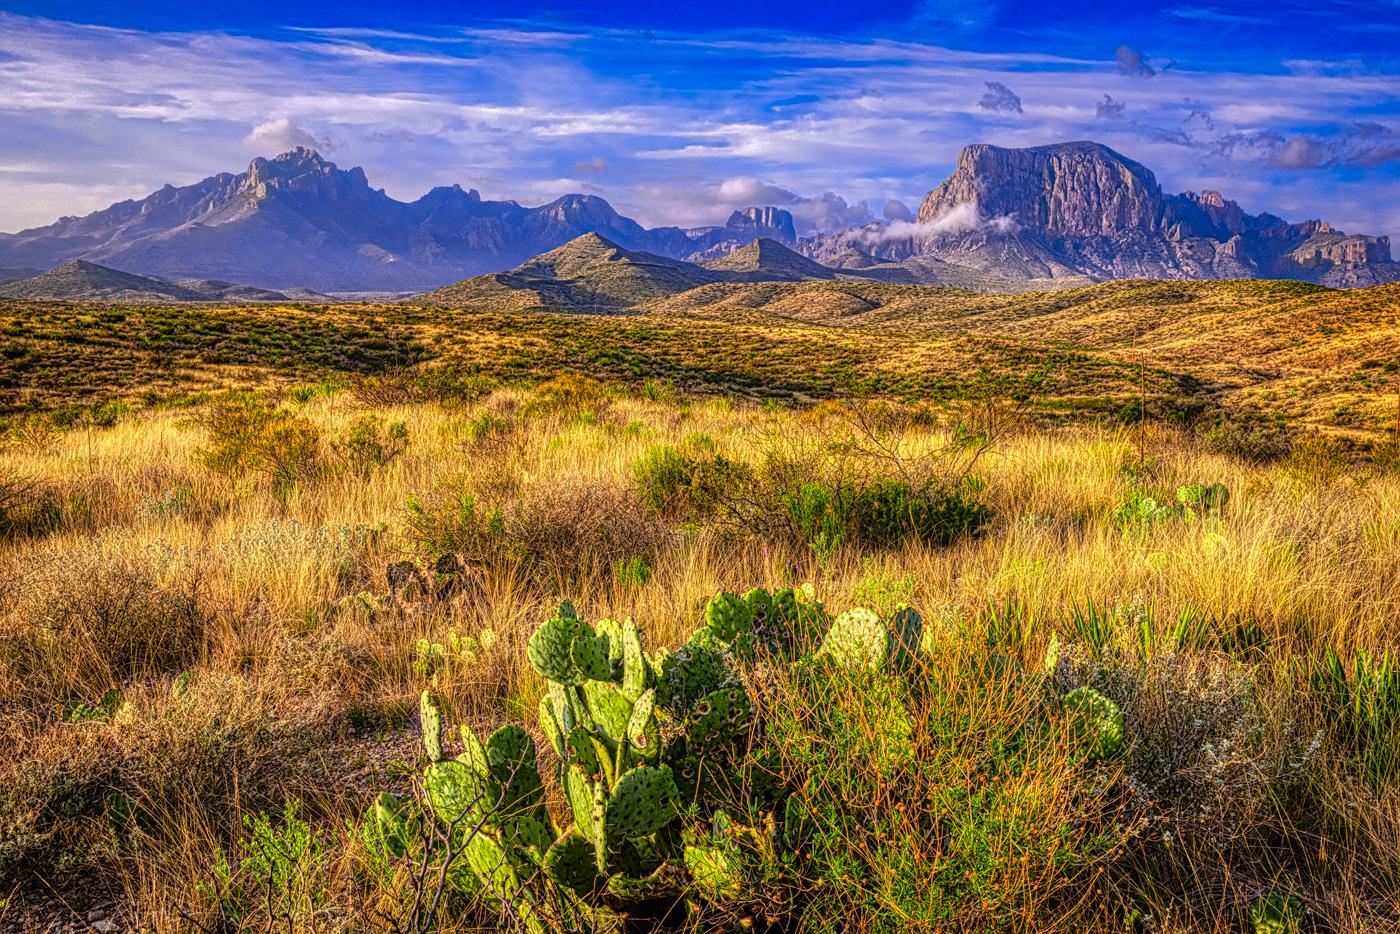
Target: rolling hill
(82,281)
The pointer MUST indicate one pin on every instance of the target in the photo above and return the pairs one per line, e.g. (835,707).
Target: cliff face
(1071,190)
(1081,209)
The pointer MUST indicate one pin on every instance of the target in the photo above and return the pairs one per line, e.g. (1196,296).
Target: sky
(679,113)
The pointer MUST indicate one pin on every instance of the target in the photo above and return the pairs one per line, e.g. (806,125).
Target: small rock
(104,926)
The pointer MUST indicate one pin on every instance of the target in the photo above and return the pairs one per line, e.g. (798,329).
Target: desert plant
(369,445)
(249,436)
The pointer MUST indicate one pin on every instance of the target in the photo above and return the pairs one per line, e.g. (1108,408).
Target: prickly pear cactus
(860,639)
(1095,721)
(688,674)
(430,715)
(1273,913)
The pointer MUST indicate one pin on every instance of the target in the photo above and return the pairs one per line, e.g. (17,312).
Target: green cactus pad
(717,870)
(642,803)
(549,649)
(705,638)
(510,756)
(527,836)
(610,710)
(666,881)
(578,791)
(570,863)
(906,637)
(430,716)
(459,795)
(727,615)
(719,718)
(688,674)
(473,752)
(590,656)
(636,673)
(491,863)
(857,639)
(1096,722)
(641,726)
(1273,913)
(549,723)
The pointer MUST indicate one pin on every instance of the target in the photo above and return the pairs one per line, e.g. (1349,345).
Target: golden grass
(158,566)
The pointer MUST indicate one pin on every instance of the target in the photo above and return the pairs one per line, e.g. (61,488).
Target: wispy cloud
(672,128)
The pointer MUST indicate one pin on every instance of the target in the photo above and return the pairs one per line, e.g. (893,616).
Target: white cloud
(517,113)
(281,135)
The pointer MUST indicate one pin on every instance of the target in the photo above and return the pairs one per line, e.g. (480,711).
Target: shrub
(277,874)
(569,394)
(632,573)
(663,477)
(580,526)
(1318,460)
(691,482)
(1248,439)
(369,445)
(27,507)
(249,436)
(882,514)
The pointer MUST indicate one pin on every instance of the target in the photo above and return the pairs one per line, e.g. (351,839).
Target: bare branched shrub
(575,526)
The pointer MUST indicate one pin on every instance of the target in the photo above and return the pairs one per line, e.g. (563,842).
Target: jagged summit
(297,219)
(1082,209)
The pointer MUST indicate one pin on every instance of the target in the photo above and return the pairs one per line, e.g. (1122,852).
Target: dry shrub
(578,527)
(93,617)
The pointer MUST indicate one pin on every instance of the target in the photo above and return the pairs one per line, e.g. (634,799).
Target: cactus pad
(719,718)
(688,674)
(430,715)
(1095,720)
(570,863)
(727,615)
(550,648)
(643,802)
(590,656)
(857,639)
(459,795)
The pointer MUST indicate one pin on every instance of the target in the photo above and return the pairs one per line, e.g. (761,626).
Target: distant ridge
(1003,220)
(82,281)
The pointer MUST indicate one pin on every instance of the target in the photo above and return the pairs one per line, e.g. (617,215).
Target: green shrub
(369,445)
(631,573)
(671,480)
(882,514)
(278,873)
(249,436)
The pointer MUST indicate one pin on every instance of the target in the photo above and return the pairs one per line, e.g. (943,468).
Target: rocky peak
(301,170)
(1076,189)
(767,220)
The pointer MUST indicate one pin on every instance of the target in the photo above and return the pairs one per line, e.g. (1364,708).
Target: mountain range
(1005,220)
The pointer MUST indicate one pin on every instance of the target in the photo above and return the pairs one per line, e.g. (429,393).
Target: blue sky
(678,113)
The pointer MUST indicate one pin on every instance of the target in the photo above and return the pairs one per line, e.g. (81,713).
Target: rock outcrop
(1082,210)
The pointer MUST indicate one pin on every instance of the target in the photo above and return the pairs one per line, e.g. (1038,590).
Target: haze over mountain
(1005,220)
